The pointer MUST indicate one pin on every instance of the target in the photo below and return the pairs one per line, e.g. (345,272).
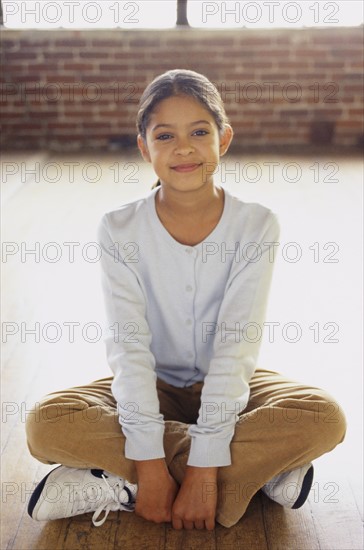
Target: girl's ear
(142,146)
(225,139)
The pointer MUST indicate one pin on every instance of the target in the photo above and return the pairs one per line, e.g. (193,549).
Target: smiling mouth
(186,167)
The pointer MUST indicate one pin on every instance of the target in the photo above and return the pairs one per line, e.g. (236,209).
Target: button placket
(189,289)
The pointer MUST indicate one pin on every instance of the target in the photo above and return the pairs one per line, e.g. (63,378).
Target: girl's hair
(179,82)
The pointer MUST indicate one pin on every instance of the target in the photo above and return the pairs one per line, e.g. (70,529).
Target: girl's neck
(192,205)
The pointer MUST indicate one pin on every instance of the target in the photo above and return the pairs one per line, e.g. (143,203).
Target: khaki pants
(285,425)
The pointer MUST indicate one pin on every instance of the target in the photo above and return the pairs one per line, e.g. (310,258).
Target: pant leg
(79,427)
(180,404)
(285,425)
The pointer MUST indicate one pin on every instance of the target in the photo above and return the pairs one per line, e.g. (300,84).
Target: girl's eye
(164,137)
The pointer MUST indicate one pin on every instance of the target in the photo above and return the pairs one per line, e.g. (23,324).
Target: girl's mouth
(186,167)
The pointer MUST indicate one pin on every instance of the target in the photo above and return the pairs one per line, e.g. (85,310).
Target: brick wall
(73,90)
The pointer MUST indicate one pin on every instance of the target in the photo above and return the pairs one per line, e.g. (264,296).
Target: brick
(329,64)
(10,44)
(78,67)
(248,136)
(356,64)
(295,65)
(282,78)
(61,126)
(143,43)
(240,77)
(22,55)
(81,114)
(235,54)
(261,113)
(218,42)
(11,115)
(356,112)
(348,53)
(353,88)
(13,69)
(59,78)
(281,135)
(112,114)
(42,66)
(95,79)
(340,100)
(251,41)
(347,76)
(284,39)
(70,43)
(58,55)
(26,78)
(310,53)
(129,55)
(36,127)
(273,53)
(244,124)
(96,125)
(117,43)
(40,114)
(328,37)
(69,138)
(34,43)
(349,124)
(113,67)
(274,124)
(314,77)
(94,55)
(328,112)
(15,126)
(294,113)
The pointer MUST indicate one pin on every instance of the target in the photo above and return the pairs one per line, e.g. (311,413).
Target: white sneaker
(67,492)
(290,489)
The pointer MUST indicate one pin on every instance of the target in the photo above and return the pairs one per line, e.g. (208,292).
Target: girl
(188,429)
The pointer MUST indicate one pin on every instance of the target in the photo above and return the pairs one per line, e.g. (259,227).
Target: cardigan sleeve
(236,343)
(127,340)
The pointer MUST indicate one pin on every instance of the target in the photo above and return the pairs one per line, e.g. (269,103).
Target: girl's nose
(184,147)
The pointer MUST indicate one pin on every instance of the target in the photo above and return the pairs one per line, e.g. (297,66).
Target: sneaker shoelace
(109,503)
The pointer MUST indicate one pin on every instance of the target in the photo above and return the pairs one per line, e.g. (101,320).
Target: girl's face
(183,143)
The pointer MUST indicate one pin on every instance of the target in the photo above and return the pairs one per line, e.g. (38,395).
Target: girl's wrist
(150,467)
(207,472)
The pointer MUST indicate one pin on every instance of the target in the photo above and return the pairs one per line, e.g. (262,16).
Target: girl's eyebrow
(171,125)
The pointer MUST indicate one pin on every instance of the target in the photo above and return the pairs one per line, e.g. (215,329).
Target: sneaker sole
(34,499)
(305,490)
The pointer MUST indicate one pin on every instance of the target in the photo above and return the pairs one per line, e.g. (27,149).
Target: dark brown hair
(178,82)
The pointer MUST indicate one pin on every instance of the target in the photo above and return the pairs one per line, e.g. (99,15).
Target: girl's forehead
(180,106)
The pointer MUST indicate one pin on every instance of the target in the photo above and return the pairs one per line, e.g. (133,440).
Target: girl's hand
(156,491)
(195,505)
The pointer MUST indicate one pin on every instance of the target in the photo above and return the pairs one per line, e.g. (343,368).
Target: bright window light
(84,14)
(275,14)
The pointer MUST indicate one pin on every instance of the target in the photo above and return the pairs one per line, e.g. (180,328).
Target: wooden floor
(48,206)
